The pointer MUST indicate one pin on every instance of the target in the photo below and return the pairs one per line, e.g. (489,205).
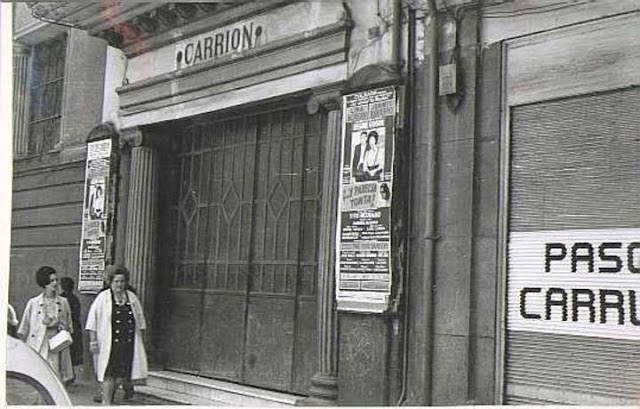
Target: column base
(324,391)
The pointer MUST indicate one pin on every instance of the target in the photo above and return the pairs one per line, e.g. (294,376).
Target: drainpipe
(395,354)
(430,205)
(411,106)
(396,30)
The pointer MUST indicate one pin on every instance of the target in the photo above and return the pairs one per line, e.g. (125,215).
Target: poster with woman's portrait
(94,241)
(364,223)
(96,199)
(368,158)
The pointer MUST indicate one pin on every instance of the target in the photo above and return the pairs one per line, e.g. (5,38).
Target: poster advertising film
(363,267)
(94,217)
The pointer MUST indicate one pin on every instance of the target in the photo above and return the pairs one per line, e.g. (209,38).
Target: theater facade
(347,203)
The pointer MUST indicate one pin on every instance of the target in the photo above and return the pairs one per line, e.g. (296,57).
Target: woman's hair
(43,275)
(116,269)
(67,284)
(373,134)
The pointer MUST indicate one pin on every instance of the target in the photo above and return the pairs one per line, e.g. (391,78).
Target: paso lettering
(605,257)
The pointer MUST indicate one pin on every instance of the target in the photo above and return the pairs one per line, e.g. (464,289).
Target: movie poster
(94,217)
(363,245)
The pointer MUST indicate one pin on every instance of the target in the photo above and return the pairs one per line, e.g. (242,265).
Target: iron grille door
(575,167)
(242,290)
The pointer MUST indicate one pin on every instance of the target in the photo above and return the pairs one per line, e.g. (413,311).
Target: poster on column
(94,216)
(363,242)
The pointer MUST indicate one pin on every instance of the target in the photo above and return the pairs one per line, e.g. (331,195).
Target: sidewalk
(82,391)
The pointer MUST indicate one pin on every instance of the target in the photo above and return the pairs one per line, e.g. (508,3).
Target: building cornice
(136,28)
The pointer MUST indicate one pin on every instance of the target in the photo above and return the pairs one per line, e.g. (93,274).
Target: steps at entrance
(194,390)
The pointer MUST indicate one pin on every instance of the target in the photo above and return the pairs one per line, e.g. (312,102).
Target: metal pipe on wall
(395,322)
(396,30)
(411,107)
(430,204)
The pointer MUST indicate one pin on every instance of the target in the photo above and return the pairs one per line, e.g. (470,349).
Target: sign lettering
(216,44)
(576,282)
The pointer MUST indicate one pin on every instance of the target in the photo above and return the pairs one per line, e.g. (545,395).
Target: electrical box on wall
(447,84)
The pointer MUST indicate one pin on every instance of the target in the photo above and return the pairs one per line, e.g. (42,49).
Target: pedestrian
(127,385)
(67,285)
(12,321)
(44,316)
(116,327)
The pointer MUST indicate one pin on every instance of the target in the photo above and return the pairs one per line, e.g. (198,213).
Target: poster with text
(363,268)
(94,217)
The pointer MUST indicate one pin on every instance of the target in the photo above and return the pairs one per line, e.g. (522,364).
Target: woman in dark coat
(116,326)
(67,285)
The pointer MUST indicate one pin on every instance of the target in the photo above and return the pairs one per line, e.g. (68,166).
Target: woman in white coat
(44,316)
(116,324)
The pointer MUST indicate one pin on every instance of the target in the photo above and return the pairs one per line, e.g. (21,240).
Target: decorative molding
(37,32)
(21,50)
(136,137)
(132,136)
(328,98)
(325,46)
(192,19)
(137,28)
(373,74)
(54,167)
(116,16)
(104,130)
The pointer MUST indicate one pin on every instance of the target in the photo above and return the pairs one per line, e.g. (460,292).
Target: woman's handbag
(60,341)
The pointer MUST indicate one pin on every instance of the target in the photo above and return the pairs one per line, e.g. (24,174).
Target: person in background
(12,321)
(116,327)
(67,285)
(44,316)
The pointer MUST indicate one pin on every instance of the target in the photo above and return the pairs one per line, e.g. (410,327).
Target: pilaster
(324,383)
(141,229)
(21,100)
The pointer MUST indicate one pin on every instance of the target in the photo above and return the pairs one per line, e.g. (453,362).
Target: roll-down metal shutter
(574,178)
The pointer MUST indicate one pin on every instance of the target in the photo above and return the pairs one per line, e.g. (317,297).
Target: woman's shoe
(128,392)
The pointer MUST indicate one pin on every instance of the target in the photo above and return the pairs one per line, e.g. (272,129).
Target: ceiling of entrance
(137,27)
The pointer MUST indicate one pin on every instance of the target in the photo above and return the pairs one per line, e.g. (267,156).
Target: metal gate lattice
(246,223)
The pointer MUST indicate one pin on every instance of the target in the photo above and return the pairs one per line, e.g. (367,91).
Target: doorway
(241,216)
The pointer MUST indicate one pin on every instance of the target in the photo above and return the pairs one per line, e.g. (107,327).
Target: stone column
(324,383)
(21,99)
(141,229)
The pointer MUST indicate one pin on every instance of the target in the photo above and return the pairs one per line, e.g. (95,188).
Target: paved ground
(82,391)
